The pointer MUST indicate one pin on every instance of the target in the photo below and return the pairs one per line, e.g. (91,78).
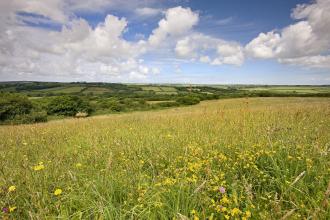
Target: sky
(166,41)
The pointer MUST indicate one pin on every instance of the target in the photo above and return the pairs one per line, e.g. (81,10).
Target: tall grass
(260,158)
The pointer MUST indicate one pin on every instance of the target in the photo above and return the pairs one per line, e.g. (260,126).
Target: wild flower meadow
(257,158)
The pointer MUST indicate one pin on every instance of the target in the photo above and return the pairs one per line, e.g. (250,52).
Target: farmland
(110,98)
(245,158)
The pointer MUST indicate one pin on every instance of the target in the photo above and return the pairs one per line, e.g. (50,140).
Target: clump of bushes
(12,105)
(33,117)
(68,106)
(188,100)
(18,109)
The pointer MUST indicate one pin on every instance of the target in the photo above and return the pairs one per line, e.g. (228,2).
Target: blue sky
(176,41)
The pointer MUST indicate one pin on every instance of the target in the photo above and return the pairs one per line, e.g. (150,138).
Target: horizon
(141,42)
(157,83)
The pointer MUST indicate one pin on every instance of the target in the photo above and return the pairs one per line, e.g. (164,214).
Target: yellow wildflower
(40,166)
(248,214)
(235,211)
(11,188)
(57,192)
(12,208)
(227,217)
(78,165)
(225,200)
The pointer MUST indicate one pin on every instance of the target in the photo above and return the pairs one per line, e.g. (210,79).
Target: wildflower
(40,166)
(235,211)
(247,214)
(227,217)
(194,213)
(225,200)
(222,190)
(78,165)
(57,192)
(5,209)
(12,208)
(11,188)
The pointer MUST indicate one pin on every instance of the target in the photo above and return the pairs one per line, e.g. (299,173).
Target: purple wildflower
(5,209)
(222,190)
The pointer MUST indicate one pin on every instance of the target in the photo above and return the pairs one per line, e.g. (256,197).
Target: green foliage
(105,98)
(188,100)
(33,117)
(12,105)
(68,106)
(166,104)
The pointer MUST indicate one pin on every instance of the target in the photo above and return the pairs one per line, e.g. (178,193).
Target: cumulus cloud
(309,61)
(77,50)
(177,21)
(209,49)
(302,43)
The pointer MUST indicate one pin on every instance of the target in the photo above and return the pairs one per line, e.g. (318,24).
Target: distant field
(71,89)
(161,89)
(288,89)
(151,88)
(96,90)
(246,158)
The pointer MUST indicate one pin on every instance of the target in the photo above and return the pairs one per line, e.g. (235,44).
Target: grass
(96,90)
(151,88)
(291,89)
(71,89)
(160,89)
(225,159)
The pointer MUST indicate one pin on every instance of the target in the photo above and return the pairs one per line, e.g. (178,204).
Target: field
(71,89)
(289,89)
(247,158)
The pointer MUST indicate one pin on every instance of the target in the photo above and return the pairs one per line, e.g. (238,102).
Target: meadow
(245,158)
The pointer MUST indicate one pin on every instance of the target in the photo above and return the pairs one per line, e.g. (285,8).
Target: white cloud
(209,49)
(78,50)
(177,21)
(148,12)
(205,59)
(302,43)
(309,61)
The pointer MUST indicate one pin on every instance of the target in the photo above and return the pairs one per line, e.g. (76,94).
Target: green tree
(188,100)
(68,106)
(12,105)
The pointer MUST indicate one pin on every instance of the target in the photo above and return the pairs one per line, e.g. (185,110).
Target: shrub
(116,107)
(68,106)
(167,104)
(12,105)
(188,100)
(34,117)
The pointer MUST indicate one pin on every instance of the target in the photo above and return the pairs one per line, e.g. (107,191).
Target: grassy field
(257,158)
(71,89)
(96,90)
(167,90)
(290,89)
